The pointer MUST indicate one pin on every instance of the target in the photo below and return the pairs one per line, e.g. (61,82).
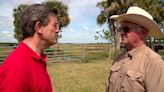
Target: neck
(135,45)
(35,45)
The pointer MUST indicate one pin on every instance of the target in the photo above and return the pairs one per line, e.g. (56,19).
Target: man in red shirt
(24,70)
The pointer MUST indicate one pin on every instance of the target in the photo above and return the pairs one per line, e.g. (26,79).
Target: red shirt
(24,71)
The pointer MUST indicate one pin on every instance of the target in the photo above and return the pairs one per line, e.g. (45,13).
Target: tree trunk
(117,37)
(117,42)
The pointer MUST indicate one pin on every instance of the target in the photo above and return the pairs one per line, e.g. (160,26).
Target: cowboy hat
(140,17)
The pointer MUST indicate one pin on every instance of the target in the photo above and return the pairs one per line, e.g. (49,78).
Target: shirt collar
(135,51)
(33,54)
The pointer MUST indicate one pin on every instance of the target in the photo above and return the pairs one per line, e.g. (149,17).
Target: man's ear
(38,27)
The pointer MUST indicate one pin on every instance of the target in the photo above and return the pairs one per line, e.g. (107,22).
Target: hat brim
(150,25)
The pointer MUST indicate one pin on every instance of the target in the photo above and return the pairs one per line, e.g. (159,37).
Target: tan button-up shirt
(139,70)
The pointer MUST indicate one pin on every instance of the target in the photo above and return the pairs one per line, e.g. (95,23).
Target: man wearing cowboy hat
(138,69)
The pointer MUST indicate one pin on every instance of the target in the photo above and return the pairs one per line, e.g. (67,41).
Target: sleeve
(13,79)
(154,76)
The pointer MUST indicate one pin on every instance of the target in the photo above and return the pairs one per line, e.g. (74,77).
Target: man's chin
(52,43)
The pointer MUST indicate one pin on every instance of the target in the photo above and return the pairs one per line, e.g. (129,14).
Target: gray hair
(33,14)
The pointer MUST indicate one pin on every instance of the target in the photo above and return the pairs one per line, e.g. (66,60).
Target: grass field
(79,77)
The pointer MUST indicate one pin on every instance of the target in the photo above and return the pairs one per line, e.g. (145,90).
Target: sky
(82,27)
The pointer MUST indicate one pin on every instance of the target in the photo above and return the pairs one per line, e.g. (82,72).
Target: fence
(67,52)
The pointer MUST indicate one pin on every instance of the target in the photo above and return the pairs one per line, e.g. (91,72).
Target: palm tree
(109,8)
(63,16)
(17,14)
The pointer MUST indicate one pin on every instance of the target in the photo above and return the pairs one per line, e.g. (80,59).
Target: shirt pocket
(133,81)
(133,75)
(114,73)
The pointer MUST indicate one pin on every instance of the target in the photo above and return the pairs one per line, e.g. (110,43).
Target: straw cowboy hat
(141,17)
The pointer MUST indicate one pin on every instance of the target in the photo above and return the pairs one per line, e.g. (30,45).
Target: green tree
(63,16)
(16,15)
(105,34)
(109,8)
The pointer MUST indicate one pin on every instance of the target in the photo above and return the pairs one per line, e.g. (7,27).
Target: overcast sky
(81,29)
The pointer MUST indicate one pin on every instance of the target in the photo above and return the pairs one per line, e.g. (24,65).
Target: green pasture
(79,77)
